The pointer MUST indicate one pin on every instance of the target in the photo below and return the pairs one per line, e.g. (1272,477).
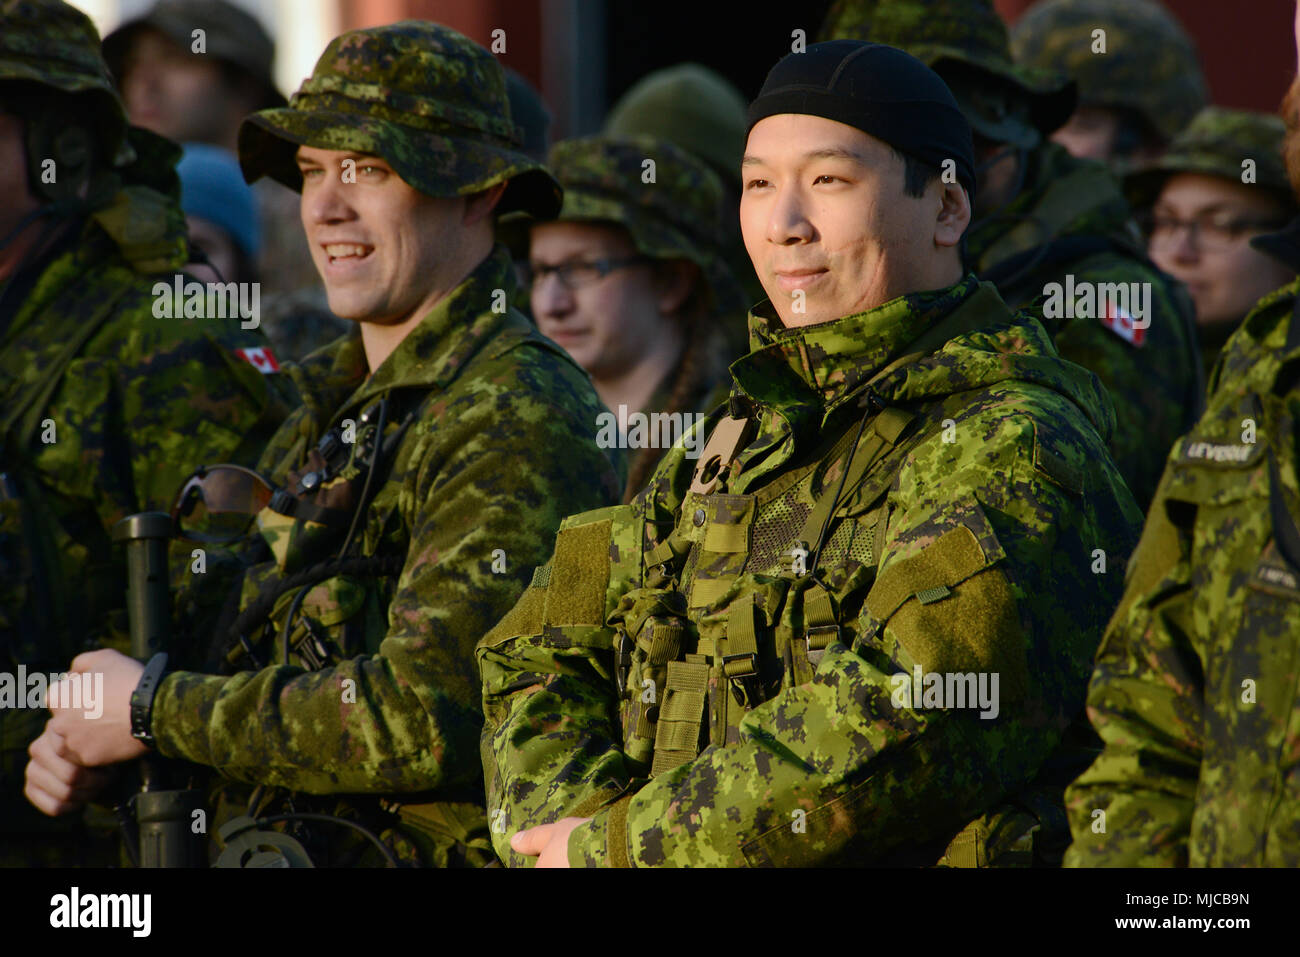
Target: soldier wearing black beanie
(882,91)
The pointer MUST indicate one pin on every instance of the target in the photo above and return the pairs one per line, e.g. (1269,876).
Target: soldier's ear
(479,205)
(674,281)
(954,213)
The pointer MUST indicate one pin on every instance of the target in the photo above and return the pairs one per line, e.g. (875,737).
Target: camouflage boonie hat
(56,45)
(1216,143)
(427,100)
(677,216)
(230,33)
(964,41)
(1150,64)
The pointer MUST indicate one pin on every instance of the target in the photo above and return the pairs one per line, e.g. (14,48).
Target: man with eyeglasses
(628,279)
(1221,184)
(399,512)
(1195,692)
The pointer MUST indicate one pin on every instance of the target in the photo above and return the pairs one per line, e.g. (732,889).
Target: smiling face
(828,226)
(385,251)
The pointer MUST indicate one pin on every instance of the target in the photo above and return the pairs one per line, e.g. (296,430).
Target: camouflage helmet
(50,43)
(965,42)
(1150,64)
(1218,142)
(688,105)
(429,101)
(676,214)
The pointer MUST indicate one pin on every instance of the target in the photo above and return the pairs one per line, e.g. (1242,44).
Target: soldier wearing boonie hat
(643,354)
(1221,185)
(408,499)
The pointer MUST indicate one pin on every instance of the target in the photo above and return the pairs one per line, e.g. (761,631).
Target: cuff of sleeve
(182,705)
(602,841)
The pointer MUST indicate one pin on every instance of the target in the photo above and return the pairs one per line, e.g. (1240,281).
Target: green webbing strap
(681,715)
(886,429)
(706,591)
(740,649)
(821,627)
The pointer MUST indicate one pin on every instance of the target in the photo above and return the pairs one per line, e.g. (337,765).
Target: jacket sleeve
(980,577)
(490,488)
(1133,806)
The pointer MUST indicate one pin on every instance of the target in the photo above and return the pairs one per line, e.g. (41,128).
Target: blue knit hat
(212,187)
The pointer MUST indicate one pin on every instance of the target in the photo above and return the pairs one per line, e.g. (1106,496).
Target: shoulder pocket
(949,608)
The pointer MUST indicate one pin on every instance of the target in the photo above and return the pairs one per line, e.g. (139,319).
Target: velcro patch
(974,628)
(579,576)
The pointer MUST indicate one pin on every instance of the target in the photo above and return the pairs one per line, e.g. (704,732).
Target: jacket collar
(431,355)
(820,367)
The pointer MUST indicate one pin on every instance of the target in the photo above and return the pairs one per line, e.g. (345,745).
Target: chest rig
(315,588)
(744,595)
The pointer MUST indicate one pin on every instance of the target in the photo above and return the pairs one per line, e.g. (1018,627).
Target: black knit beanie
(882,91)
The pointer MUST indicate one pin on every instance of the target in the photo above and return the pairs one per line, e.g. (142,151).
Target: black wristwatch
(142,699)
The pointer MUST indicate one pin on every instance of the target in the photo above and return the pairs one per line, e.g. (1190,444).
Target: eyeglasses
(575,275)
(217,503)
(1209,233)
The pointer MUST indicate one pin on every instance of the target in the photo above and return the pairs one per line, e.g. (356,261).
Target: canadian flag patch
(1121,322)
(260,358)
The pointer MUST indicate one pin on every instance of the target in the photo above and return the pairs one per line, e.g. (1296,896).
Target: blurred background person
(626,279)
(1140,79)
(200,92)
(699,110)
(1205,215)
(220,214)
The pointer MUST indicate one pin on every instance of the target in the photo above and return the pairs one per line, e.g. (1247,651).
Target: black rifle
(164,814)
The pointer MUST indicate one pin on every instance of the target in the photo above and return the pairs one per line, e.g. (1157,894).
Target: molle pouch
(651,635)
(745,645)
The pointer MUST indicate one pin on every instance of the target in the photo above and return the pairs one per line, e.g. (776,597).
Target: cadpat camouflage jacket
(1194,692)
(1070,219)
(500,446)
(964,541)
(105,406)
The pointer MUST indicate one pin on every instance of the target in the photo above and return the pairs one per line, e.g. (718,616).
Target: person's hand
(99,732)
(57,784)
(549,843)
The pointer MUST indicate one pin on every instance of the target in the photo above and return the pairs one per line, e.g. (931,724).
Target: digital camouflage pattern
(679,620)
(428,100)
(1194,692)
(965,42)
(1217,142)
(56,45)
(500,448)
(1156,383)
(104,406)
(1150,64)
